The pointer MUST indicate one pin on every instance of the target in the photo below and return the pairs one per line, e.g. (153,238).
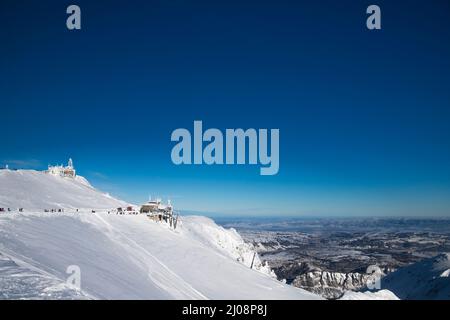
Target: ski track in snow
(169,280)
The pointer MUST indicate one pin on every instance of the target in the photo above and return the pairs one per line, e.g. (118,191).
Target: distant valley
(329,256)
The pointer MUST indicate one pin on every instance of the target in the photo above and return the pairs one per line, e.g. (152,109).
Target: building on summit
(62,171)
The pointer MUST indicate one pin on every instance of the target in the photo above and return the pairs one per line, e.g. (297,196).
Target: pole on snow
(253,260)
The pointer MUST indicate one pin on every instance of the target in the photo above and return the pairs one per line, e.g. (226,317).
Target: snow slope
(426,279)
(35,190)
(24,282)
(228,241)
(119,256)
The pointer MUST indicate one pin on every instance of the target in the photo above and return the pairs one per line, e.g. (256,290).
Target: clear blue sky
(363,116)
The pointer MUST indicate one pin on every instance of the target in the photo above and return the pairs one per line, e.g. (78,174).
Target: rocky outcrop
(330,285)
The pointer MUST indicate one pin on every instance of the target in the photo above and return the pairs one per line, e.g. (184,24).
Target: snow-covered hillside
(427,279)
(36,190)
(119,256)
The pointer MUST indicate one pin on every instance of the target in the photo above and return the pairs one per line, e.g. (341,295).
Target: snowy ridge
(226,240)
(426,279)
(368,295)
(36,190)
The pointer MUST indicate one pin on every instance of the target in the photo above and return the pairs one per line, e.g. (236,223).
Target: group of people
(9,210)
(54,210)
(21,210)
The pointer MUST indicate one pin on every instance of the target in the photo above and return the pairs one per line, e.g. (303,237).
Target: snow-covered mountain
(118,256)
(427,279)
(424,280)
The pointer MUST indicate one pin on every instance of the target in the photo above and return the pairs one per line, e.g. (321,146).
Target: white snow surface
(228,241)
(368,295)
(445,274)
(427,279)
(119,256)
(36,190)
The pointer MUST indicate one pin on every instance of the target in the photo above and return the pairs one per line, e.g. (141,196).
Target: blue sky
(363,115)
